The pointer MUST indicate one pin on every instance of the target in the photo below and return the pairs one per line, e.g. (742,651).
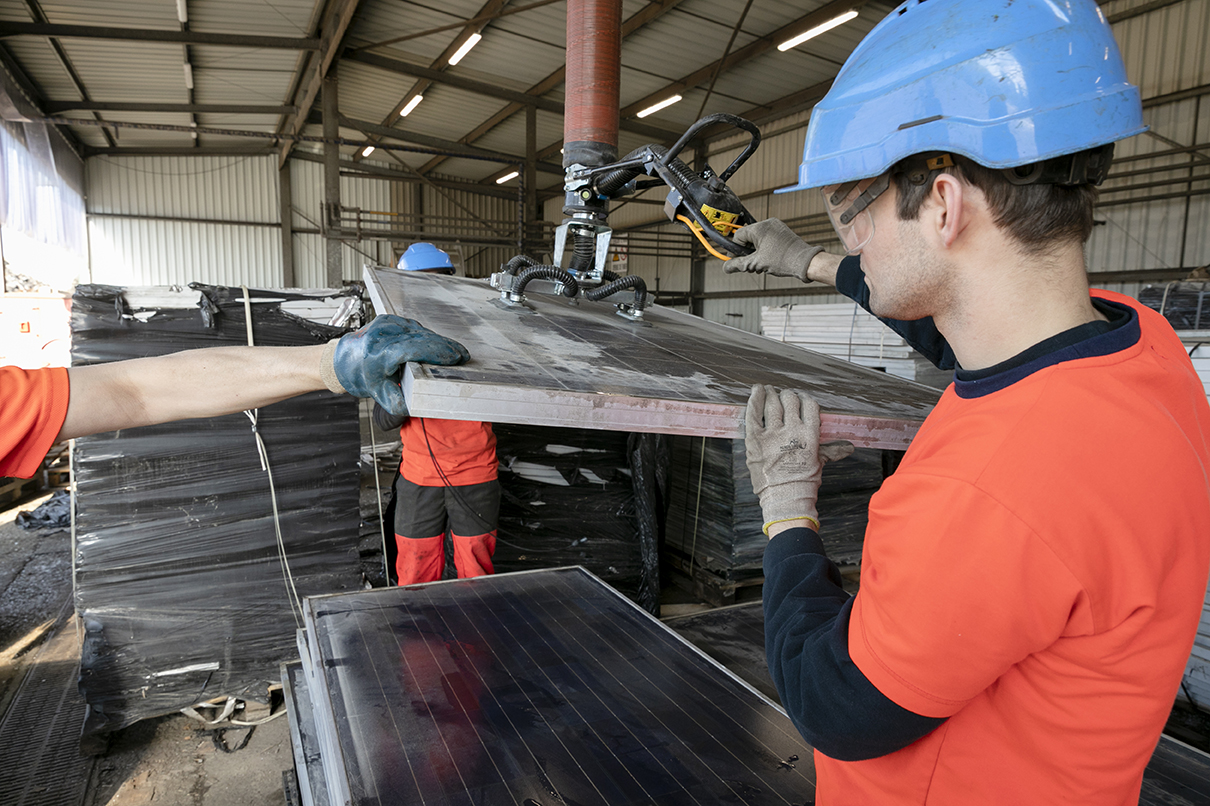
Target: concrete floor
(176,760)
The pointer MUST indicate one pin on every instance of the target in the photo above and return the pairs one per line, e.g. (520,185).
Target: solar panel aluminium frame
(558,362)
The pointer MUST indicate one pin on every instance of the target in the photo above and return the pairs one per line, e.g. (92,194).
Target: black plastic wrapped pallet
(1186,305)
(178,581)
(569,498)
(714,519)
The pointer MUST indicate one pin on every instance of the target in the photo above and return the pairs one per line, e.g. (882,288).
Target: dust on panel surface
(587,348)
(541,687)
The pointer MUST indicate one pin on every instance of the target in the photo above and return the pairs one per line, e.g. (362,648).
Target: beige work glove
(785,458)
(778,251)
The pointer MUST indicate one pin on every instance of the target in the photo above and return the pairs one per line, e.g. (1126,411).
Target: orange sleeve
(33,406)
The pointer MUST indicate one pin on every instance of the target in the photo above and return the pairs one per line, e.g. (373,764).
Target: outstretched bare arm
(194,383)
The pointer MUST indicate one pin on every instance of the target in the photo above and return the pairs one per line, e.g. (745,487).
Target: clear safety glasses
(848,208)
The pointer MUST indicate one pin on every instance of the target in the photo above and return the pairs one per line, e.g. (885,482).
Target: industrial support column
(531,234)
(286,195)
(333,273)
(590,114)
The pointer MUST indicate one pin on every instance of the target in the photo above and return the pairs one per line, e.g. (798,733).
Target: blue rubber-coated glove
(369,363)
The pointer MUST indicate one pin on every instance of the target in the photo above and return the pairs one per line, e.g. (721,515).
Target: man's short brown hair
(1038,216)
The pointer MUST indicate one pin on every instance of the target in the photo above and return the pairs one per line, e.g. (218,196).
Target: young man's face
(906,278)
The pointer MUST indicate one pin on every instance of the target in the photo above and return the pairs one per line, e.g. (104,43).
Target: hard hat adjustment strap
(1088,167)
(919,169)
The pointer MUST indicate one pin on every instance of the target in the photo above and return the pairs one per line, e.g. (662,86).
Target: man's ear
(949,211)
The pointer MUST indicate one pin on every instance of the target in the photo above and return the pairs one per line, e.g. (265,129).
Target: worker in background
(41,407)
(1033,572)
(447,477)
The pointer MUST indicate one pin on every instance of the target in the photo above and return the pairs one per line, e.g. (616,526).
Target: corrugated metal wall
(1166,51)
(137,230)
(306,185)
(175,220)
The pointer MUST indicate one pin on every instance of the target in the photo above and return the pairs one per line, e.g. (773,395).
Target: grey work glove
(785,458)
(778,251)
(369,363)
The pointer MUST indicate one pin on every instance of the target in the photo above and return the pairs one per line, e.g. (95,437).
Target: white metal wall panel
(134,249)
(139,252)
(306,181)
(229,188)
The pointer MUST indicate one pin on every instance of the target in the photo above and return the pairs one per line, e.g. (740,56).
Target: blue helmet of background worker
(425,257)
(1009,86)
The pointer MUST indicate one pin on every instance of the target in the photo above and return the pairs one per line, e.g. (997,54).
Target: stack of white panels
(845,330)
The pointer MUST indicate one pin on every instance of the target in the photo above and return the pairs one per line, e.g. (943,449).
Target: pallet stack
(1186,306)
(179,583)
(845,330)
(713,539)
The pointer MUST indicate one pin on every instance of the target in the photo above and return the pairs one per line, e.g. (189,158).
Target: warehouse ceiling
(221,76)
(227,76)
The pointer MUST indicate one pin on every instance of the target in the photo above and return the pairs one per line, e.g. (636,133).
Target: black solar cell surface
(541,688)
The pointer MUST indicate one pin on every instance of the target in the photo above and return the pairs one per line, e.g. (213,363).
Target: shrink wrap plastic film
(581,497)
(179,586)
(1186,305)
(714,517)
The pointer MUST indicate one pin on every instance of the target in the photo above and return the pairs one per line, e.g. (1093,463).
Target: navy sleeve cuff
(833,705)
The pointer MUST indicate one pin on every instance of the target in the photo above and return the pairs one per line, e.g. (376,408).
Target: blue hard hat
(1004,84)
(425,257)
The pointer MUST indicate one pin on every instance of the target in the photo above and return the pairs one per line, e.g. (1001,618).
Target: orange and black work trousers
(423,516)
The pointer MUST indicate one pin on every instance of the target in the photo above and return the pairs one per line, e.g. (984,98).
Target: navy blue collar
(1084,341)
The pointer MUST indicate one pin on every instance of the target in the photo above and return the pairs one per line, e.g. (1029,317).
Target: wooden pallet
(13,490)
(710,587)
(56,467)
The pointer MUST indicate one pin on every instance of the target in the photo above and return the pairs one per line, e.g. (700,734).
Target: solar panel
(576,363)
(542,688)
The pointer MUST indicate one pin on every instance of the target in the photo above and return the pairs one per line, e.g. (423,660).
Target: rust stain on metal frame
(563,364)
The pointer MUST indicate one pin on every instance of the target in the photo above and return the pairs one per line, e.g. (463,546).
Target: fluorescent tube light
(181,13)
(465,49)
(651,110)
(188,76)
(412,104)
(817,30)
(507,177)
(367,151)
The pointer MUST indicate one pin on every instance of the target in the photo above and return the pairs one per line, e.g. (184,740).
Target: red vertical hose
(594,52)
